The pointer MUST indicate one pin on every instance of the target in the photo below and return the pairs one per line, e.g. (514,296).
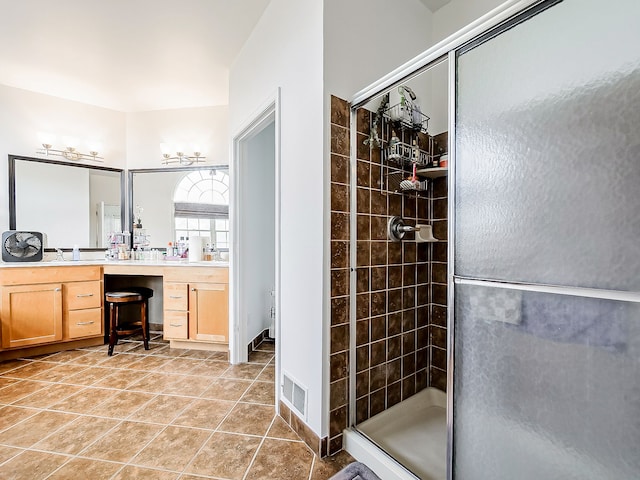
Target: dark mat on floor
(355,471)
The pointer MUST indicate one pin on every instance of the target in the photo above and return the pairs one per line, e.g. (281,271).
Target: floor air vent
(295,395)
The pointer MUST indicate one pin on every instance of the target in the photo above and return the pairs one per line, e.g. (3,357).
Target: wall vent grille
(295,395)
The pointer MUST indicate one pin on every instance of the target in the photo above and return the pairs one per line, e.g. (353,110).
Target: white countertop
(137,263)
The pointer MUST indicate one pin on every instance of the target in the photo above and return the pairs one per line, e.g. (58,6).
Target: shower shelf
(434,172)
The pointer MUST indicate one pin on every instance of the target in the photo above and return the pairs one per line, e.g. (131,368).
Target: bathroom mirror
(71,204)
(181,202)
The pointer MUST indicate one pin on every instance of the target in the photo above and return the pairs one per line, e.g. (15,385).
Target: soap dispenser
(76,253)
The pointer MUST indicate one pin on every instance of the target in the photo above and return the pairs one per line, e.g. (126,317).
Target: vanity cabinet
(31,314)
(45,305)
(196,306)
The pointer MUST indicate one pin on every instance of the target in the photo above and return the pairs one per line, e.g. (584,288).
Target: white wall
(26,118)
(257,216)
(205,128)
(458,14)
(285,50)
(366,39)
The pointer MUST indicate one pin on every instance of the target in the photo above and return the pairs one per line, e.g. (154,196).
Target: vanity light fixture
(182,159)
(70,153)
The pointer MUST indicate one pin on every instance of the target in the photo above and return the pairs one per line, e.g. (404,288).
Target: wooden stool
(115,300)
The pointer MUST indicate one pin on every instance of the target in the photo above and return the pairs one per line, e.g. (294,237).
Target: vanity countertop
(112,263)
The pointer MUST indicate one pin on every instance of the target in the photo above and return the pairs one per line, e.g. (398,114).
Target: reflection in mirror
(174,203)
(71,204)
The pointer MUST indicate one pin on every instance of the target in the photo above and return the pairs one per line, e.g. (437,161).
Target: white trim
(411,68)
(268,112)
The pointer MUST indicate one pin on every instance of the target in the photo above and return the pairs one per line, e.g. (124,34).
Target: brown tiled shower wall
(400,301)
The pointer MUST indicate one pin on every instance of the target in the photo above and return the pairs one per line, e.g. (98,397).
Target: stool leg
(145,324)
(113,322)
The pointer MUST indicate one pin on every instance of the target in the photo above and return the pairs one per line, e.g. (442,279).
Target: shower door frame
(449,47)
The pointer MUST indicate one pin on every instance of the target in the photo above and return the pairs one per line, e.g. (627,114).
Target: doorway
(255,241)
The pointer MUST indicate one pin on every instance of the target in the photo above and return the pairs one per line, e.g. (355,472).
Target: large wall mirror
(181,202)
(71,204)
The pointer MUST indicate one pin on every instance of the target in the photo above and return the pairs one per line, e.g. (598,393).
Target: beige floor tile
(153,347)
(82,468)
(64,357)
(88,376)
(90,358)
(120,360)
(209,368)
(204,413)
(59,372)
(260,357)
(188,386)
(8,452)
(85,400)
(5,381)
(267,347)
(248,419)
(181,365)
(19,390)
(77,435)
(137,473)
(278,459)
(31,466)
(225,455)
(220,356)
(162,409)
(121,379)
(9,365)
(260,392)
(325,468)
(154,382)
(280,429)
(244,371)
(173,449)
(30,369)
(49,396)
(268,374)
(123,442)
(149,364)
(174,352)
(11,415)
(201,354)
(122,404)
(31,430)
(227,389)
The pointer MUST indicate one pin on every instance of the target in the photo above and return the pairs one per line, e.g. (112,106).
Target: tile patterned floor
(158,414)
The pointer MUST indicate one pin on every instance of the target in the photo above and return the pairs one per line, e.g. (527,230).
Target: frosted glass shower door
(547,247)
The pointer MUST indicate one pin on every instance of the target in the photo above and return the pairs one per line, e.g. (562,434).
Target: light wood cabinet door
(80,295)
(83,323)
(209,312)
(31,314)
(176,296)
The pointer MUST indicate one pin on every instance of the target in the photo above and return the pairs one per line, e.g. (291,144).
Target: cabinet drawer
(176,325)
(84,323)
(176,296)
(79,295)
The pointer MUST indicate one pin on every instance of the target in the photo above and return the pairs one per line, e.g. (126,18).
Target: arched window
(201,205)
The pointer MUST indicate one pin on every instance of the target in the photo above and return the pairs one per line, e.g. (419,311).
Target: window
(201,202)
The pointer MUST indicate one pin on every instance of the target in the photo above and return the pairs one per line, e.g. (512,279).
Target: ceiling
(126,55)
(434,5)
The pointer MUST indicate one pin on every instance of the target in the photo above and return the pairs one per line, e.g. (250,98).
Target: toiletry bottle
(76,253)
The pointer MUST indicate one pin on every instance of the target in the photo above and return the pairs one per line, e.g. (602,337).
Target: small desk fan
(19,246)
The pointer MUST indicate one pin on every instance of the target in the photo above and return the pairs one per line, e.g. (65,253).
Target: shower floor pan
(414,433)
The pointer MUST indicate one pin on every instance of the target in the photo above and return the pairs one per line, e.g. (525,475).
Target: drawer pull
(80,295)
(175,296)
(193,289)
(56,289)
(86,323)
(175,325)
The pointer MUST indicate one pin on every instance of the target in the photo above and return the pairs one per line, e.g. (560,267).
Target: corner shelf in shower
(435,172)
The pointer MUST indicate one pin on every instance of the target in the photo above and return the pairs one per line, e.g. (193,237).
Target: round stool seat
(123,297)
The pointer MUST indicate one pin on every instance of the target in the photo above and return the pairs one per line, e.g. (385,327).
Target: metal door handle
(80,295)
(175,324)
(175,296)
(85,323)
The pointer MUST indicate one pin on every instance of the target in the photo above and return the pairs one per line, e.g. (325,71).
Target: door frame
(267,113)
